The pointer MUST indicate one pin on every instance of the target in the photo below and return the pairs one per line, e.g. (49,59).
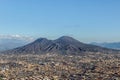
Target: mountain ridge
(64,45)
(111,45)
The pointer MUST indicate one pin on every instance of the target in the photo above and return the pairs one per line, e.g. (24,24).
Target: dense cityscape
(58,67)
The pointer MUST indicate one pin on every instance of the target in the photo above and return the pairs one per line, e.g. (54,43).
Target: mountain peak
(41,39)
(66,39)
(62,45)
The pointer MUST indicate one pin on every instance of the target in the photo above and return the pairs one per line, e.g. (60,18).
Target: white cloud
(19,37)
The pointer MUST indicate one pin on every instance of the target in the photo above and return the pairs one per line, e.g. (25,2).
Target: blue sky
(86,20)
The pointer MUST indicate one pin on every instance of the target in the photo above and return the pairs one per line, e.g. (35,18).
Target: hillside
(63,45)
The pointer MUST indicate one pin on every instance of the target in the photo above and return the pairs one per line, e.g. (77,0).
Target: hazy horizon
(87,21)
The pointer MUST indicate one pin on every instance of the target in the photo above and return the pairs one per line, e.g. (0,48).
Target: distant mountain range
(13,41)
(6,44)
(63,45)
(114,45)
